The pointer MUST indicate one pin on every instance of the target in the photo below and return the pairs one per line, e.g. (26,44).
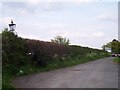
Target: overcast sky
(90,23)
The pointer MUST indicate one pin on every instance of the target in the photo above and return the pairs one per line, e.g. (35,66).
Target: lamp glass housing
(12,27)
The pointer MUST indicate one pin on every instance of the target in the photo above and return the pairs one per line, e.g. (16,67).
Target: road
(102,73)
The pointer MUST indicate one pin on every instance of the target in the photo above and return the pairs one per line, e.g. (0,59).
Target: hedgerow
(23,56)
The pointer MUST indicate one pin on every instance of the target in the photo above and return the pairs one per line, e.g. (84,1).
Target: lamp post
(12,26)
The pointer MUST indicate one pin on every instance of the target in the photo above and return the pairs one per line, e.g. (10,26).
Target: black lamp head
(12,26)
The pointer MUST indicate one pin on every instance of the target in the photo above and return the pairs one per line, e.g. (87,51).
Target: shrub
(13,51)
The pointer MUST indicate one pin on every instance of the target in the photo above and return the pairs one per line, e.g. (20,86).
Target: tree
(61,40)
(114,46)
(107,46)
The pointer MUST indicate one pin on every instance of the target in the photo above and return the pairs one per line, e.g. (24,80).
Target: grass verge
(117,60)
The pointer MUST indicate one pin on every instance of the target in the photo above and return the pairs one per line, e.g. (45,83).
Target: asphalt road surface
(102,73)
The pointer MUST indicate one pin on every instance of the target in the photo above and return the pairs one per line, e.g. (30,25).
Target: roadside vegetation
(117,60)
(26,56)
(114,46)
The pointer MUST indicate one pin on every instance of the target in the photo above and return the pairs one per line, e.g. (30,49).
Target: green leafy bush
(13,51)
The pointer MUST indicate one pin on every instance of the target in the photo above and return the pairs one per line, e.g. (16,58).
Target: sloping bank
(24,56)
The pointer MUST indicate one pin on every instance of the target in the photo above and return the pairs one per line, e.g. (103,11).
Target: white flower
(21,71)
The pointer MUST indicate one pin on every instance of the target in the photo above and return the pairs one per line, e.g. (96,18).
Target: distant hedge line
(18,52)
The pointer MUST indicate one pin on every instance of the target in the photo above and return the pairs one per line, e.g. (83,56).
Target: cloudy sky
(89,23)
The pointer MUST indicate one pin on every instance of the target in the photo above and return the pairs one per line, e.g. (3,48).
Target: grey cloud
(108,17)
(20,6)
(31,8)
(51,6)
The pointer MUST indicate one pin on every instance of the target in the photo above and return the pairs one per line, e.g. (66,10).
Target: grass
(57,64)
(117,60)
(7,76)
(69,62)
(0,81)
(6,82)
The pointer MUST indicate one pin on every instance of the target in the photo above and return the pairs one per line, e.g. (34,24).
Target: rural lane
(101,73)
